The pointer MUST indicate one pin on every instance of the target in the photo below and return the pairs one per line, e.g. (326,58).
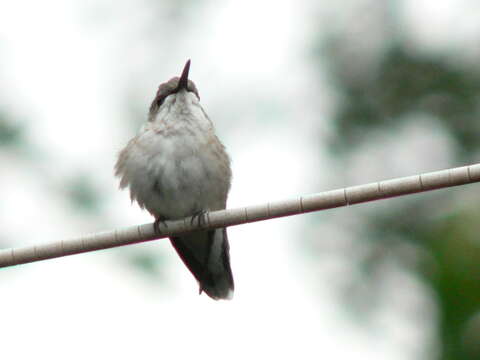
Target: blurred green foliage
(83,194)
(151,265)
(406,82)
(377,95)
(11,134)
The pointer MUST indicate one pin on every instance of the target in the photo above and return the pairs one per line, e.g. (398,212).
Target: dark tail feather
(206,254)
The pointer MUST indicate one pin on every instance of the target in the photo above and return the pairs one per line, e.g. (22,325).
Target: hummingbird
(176,167)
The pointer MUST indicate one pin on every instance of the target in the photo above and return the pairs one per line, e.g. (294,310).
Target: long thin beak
(183,82)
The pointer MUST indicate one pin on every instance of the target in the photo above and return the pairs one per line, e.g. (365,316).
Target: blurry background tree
(394,88)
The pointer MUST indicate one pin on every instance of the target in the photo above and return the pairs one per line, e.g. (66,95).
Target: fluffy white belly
(175,177)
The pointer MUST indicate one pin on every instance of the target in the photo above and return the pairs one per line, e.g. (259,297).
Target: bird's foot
(156,225)
(200,218)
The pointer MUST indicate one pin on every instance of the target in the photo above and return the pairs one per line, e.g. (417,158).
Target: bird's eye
(160,101)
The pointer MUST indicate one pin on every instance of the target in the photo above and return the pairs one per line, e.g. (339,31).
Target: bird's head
(171,88)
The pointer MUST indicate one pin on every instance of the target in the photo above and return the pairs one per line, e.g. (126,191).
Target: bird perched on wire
(176,167)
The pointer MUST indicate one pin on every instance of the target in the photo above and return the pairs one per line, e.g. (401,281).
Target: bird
(176,167)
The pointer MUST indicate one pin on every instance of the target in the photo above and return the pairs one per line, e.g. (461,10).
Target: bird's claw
(199,218)
(156,225)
